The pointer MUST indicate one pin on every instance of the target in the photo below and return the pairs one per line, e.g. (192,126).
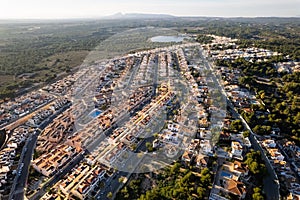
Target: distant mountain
(138,16)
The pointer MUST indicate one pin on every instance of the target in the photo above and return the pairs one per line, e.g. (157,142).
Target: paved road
(271,188)
(155,75)
(22,174)
(111,185)
(135,69)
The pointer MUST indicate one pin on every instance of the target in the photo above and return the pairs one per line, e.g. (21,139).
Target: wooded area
(51,48)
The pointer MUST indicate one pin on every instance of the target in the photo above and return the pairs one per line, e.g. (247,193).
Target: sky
(49,9)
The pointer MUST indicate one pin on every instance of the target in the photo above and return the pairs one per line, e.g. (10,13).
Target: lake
(167,39)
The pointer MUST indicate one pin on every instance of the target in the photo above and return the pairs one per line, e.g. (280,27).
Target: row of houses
(8,155)
(199,93)
(125,137)
(193,156)
(145,70)
(79,183)
(55,132)
(231,175)
(49,163)
(287,67)
(287,169)
(61,86)
(15,108)
(226,49)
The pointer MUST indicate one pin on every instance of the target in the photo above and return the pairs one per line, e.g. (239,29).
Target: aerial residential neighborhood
(151,106)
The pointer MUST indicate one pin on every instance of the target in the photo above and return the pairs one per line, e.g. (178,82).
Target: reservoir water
(167,39)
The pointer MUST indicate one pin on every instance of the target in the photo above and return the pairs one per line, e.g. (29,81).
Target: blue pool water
(226,174)
(95,113)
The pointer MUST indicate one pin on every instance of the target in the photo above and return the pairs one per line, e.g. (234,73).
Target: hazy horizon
(72,9)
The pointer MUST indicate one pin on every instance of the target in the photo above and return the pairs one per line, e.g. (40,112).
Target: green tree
(175,168)
(155,135)
(149,146)
(205,177)
(255,163)
(262,130)
(125,193)
(110,195)
(246,133)
(121,179)
(236,125)
(134,185)
(201,192)
(257,195)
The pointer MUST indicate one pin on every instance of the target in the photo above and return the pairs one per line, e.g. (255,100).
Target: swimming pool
(95,113)
(226,174)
